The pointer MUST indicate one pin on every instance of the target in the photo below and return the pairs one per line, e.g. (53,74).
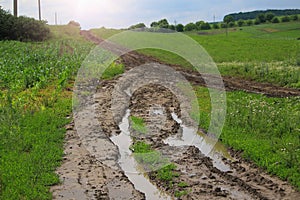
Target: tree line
(22,28)
(228,22)
(254,14)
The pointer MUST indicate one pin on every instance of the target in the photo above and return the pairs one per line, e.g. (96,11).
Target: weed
(179,194)
(113,70)
(138,124)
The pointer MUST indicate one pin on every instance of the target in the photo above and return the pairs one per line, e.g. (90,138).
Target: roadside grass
(35,100)
(113,70)
(31,147)
(266,129)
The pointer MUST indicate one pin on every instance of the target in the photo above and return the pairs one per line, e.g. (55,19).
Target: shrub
(285,19)
(22,28)
(275,20)
(240,23)
(179,28)
(216,26)
(269,16)
(249,22)
(295,17)
(190,27)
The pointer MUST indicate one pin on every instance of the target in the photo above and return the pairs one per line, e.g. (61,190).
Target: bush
(190,27)
(275,20)
(205,26)
(249,22)
(295,17)
(179,28)
(285,19)
(22,28)
(240,23)
(269,16)
(231,24)
(216,26)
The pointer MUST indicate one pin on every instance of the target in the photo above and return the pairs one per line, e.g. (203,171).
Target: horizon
(119,14)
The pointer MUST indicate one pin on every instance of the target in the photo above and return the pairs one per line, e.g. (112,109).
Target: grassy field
(35,102)
(266,129)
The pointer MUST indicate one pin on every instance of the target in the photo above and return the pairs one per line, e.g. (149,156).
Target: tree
(241,23)
(269,16)
(216,26)
(227,19)
(205,26)
(231,24)
(163,23)
(139,25)
(198,24)
(179,28)
(275,20)
(190,27)
(295,17)
(285,19)
(261,18)
(257,21)
(154,24)
(249,22)
(172,27)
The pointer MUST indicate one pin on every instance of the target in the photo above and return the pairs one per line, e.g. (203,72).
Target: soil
(90,169)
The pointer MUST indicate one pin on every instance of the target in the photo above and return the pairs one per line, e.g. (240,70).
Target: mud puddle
(130,166)
(208,146)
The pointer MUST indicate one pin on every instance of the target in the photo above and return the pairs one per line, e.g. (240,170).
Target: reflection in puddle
(130,166)
(208,146)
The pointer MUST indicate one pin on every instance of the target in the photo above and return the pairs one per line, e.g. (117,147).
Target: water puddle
(130,166)
(208,146)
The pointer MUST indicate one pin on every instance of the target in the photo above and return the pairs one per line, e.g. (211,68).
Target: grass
(113,70)
(266,129)
(35,98)
(138,124)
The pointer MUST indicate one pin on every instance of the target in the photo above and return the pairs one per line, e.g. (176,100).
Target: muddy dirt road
(90,169)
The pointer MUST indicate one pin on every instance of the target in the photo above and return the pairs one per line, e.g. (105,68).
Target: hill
(253,14)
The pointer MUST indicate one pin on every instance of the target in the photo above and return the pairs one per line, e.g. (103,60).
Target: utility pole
(214,18)
(55,18)
(16,8)
(40,16)
(175,22)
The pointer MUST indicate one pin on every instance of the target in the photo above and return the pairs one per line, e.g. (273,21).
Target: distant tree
(223,25)
(261,18)
(216,26)
(163,23)
(275,20)
(231,24)
(285,19)
(198,24)
(249,22)
(154,24)
(190,27)
(73,23)
(205,26)
(139,25)
(295,17)
(269,16)
(241,23)
(172,27)
(179,28)
(228,19)
(257,21)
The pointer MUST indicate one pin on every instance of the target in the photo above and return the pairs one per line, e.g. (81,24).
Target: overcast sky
(123,13)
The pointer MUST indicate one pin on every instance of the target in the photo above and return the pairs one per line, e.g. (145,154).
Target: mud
(90,168)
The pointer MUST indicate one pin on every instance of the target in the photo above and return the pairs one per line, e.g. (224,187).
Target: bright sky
(123,13)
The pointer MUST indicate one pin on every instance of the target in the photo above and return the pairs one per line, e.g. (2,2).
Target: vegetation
(254,14)
(22,28)
(138,124)
(35,100)
(113,70)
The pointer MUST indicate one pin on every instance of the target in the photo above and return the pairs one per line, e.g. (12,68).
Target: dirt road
(88,173)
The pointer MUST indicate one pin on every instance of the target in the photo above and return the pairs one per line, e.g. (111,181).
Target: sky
(123,13)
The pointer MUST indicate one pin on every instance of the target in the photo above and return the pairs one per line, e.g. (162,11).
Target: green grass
(105,33)
(113,70)
(179,194)
(35,98)
(138,124)
(31,147)
(266,129)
